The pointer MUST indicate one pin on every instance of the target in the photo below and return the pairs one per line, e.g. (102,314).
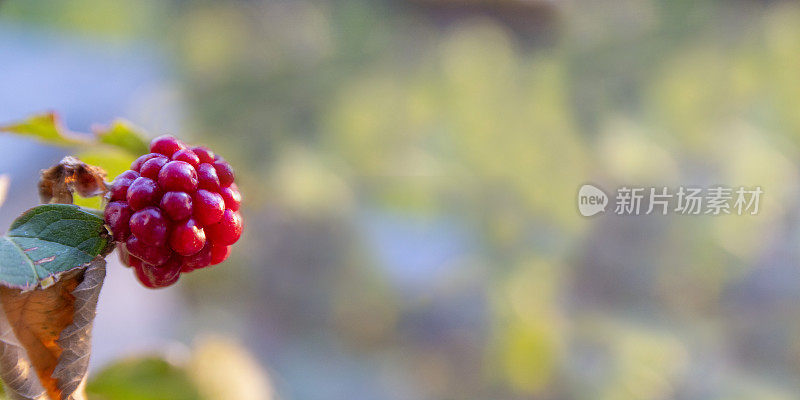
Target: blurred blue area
(85,79)
(417,252)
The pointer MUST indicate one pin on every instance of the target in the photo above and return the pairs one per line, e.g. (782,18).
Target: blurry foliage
(108,18)
(217,369)
(112,148)
(123,135)
(222,369)
(149,378)
(346,108)
(46,127)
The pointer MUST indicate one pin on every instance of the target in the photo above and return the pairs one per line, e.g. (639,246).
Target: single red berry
(160,276)
(187,237)
(178,176)
(166,145)
(227,230)
(198,260)
(124,256)
(177,205)
(129,174)
(137,164)
(119,188)
(149,226)
(117,215)
(152,167)
(205,155)
(142,193)
(224,172)
(219,253)
(207,177)
(188,156)
(208,207)
(155,255)
(133,261)
(232,197)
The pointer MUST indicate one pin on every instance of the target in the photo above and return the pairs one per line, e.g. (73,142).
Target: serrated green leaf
(122,134)
(48,240)
(45,127)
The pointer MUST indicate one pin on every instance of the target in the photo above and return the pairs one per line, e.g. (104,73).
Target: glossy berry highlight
(175,211)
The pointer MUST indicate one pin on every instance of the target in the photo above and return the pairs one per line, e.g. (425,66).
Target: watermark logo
(591,200)
(715,200)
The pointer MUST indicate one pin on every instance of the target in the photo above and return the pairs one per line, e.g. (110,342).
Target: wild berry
(198,260)
(187,237)
(137,165)
(232,197)
(177,205)
(126,258)
(155,255)
(152,167)
(142,193)
(207,177)
(166,145)
(119,188)
(227,230)
(205,155)
(208,207)
(150,226)
(188,156)
(159,276)
(117,216)
(219,253)
(178,175)
(224,172)
(176,210)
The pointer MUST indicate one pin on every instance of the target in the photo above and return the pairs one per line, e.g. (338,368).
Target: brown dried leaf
(48,331)
(71,175)
(76,340)
(16,370)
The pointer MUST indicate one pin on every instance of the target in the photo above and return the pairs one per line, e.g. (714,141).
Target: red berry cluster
(175,210)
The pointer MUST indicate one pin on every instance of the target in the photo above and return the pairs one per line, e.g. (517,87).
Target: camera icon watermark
(684,200)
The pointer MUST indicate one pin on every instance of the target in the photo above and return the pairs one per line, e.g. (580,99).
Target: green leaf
(148,378)
(113,161)
(48,240)
(45,127)
(122,134)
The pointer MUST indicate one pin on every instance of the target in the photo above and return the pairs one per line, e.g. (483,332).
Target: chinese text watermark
(684,200)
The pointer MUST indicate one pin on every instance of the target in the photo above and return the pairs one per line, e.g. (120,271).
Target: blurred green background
(410,171)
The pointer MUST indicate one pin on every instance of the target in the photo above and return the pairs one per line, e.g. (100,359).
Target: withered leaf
(71,175)
(18,374)
(46,334)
